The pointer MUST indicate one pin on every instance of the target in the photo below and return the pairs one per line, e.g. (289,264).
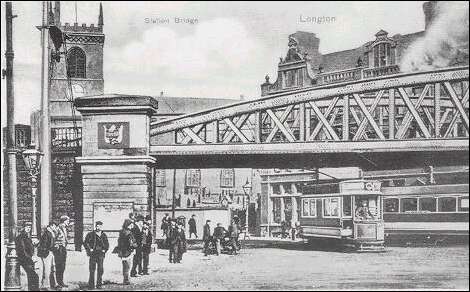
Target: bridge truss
(406,106)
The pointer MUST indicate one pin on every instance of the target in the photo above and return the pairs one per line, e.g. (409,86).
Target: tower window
(76,63)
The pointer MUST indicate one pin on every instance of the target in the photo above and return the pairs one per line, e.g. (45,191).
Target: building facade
(304,66)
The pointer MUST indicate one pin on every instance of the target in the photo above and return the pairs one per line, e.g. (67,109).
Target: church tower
(79,69)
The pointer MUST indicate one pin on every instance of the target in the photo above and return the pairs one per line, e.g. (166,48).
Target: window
(427,204)
(447,204)
(391,205)
(463,204)
(383,55)
(305,207)
(331,207)
(193,177)
(227,178)
(76,63)
(313,208)
(291,78)
(276,189)
(160,178)
(347,206)
(409,205)
(309,207)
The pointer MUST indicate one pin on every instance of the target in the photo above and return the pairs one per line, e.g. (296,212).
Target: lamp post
(247,191)
(32,161)
(12,268)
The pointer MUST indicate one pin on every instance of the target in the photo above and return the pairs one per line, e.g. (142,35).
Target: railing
(381,71)
(339,76)
(66,138)
(355,74)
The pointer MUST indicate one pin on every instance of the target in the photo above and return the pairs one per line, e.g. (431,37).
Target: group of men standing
(219,235)
(175,238)
(134,244)
(143,244)
(50,258)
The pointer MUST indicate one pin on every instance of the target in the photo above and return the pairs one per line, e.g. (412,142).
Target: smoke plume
(445,42)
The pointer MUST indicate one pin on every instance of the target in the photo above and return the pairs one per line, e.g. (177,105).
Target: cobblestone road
(295,268)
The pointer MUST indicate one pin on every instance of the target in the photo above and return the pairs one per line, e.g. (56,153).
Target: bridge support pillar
(117,171)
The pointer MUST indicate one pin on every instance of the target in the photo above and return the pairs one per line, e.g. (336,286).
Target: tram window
(427,204)
(309,208)
(305,207)
(276,189)
(346,206)
(391,205)
(409,205)
(399,182)
(313,208)
(447,204)
(463,204)
(331,207)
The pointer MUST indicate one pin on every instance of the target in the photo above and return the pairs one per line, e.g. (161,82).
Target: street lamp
(32,161)
(247,190)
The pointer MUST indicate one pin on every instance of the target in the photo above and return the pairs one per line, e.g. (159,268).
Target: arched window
(76,63)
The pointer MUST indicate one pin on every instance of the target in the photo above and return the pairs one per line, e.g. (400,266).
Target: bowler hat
(64,218)
(98,223)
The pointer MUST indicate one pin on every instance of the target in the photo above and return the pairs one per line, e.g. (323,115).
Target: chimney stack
(430,13)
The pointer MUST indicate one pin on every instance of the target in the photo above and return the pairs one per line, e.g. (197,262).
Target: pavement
(278,264)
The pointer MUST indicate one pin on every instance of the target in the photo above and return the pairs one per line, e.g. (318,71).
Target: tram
(430,214)
(350,211)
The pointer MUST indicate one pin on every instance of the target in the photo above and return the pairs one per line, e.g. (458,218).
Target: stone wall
(115,184)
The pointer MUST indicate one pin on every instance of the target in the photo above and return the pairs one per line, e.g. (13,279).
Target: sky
(224,53)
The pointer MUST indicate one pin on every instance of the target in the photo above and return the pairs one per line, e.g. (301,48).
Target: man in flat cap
(25,252)
(96,245)
(60,250)
(137,232)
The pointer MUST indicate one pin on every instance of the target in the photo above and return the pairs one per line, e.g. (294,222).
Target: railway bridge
(389,122)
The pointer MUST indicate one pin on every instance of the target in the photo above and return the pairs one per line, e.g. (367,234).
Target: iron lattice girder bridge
(412,112)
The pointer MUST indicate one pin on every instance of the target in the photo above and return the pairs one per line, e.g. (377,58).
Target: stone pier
(117,171)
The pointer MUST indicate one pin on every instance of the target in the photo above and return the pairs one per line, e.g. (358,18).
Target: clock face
(78,90)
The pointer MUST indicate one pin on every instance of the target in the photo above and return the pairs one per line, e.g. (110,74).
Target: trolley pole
(12,267)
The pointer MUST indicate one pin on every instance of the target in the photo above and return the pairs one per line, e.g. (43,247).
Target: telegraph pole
(45,145)
(12,268)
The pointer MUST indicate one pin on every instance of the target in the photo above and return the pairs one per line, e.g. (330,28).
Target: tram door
(347,212)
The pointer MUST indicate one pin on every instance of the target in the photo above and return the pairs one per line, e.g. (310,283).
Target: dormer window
(291,80)
(382,50)
(383,55)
